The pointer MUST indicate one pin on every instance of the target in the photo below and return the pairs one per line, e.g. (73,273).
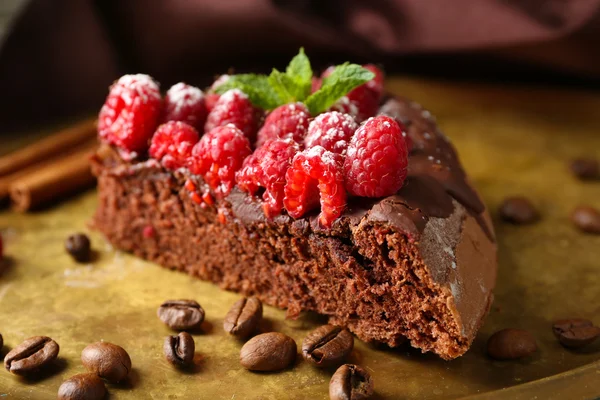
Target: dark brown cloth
(60,56)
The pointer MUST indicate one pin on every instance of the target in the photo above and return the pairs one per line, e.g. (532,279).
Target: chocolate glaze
(435,177)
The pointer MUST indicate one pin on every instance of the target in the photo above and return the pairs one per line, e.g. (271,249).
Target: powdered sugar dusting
(182,95)
(137,85)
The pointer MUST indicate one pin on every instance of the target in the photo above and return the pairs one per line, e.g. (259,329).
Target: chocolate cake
(418,265)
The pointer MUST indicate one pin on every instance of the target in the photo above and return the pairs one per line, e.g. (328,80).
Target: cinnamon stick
(47,147)
(53,180)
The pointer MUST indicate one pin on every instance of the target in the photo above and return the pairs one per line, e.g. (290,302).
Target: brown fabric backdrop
(60,56)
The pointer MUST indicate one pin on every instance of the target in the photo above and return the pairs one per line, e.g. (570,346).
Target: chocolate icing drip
(433,157)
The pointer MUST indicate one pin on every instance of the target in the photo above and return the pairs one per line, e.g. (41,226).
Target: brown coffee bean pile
(575,332)
(103,360)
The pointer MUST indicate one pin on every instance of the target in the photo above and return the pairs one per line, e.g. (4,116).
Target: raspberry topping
(172,144)
(218,155)
(331,130)
(376,159)
(375,84)
(211,97)
(286,121)
(266,168)
(345,106)
(367,96)
(185,103)
(130,113)
(315,173)
(233,107)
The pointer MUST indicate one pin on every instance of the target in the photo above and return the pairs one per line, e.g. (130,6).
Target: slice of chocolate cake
(418,263)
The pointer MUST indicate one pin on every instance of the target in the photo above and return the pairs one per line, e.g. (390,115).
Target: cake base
(364,274)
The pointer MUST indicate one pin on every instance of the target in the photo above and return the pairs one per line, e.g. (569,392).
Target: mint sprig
(269,92)
(342,80)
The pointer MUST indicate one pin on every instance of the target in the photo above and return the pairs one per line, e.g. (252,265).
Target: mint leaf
(342,80)
(300,71)
(285,87)
(256,87)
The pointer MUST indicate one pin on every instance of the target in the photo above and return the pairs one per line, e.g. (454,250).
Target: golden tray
(511,141)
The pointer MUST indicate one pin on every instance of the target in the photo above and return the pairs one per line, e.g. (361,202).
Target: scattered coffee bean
(106,360)
(350,382)
(82,387)
(78,246)
(518,210)
(587,219)
(271,351)
(179,350)
(510,344)
(1,342)
(327,346)
(31,355)
(576,332)
(585,168)
(181,314)
(244,317)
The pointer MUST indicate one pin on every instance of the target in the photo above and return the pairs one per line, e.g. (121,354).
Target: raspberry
(266,168)
(218,155)
(211,97)
(345,106)
(185,103)
(367,96)
(315,173)
(286,121)
(172,144)
(332,130)
(233,107)
(315,84)
(130,113)
(376,159)
(375,84)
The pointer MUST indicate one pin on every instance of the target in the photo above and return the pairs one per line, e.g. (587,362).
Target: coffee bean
(510,344)
(1,342)
(327,346)
(350,382)
(82,387)
(78,246)
(585,168)
(31,355)
(106,360)
(181,314)
(244,317)
(271,351)
(587,219)
(518,210)
(179,350)
(575,332)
